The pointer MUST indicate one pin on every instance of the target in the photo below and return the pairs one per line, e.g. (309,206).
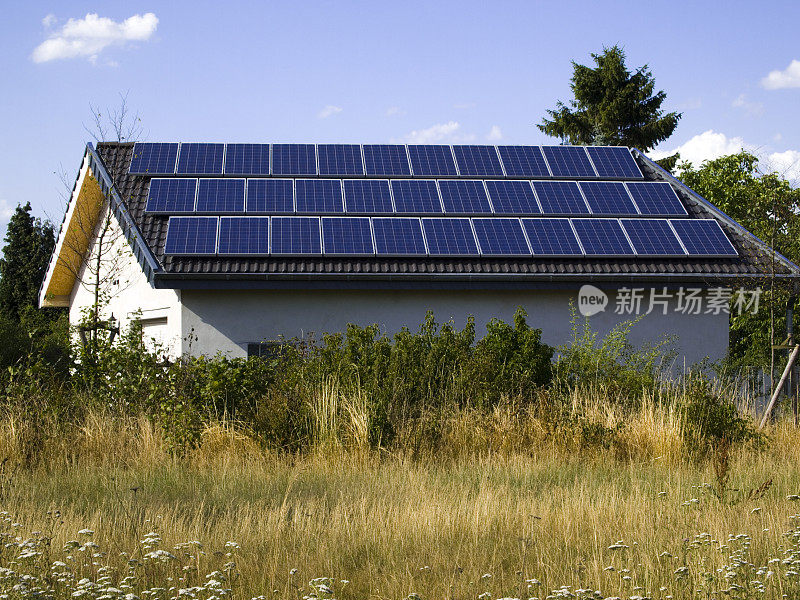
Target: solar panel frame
(416,196)
(552,237)
(650,195)
(523,161)
(154,158)
(219,196)
(501,237)
(243,236)
(340,159)
(568,161)
(560,198)
(410,241)
(318,196)
(512,197)
(294,159)
(269,195)
(432,160)
(699,236)
(300,235)
(386,160)
(200,159)
(608,198)
(614,162)
(367,196)
(177,195)
(347,236)
(192,233)
(602,237)
(444,235)
(653,237)
(247,159)
(478,161)
(464,196)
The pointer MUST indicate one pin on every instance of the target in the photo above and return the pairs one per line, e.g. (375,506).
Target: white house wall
(226,321)
(132,296)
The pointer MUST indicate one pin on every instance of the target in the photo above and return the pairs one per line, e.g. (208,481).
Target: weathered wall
(127,291)
(227,320)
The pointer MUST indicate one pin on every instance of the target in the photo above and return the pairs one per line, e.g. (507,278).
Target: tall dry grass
(504,494)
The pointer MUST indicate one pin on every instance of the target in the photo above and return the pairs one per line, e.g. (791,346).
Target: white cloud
(751,108)
(788,78)
(705,146)
(786,163)
(395,111)
(494,135)
(449,132)
(6,210)
(329,111)
(49,21)
(91,35)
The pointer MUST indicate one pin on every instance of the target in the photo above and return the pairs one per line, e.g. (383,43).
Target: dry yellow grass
(514,502)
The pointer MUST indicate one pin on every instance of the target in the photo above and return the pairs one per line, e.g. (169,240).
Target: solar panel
(295,235)
(453,237)
(201,159)
(367,196)
(568,161)
(294,159)
(608,198)
(398,237)
(191,235)
(602,236)
(479,161)
(416,196)
(614,161)
(247,159)
(560,197)
(553,237)
(433,161)
(703,237)
(319,195)
(460,196)
(652,236)
(270,195)
(154,159)
(244,235)
(523,161)
(389,160)
(220,195)
(346,235)
(655,198)
(340,159)
(513,197)
(501,237)
(171,195)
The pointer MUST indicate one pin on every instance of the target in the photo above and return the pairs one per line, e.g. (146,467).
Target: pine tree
(29,244)
(612,106)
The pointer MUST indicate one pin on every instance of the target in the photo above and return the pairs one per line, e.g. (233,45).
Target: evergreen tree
(612,106)
(29,244)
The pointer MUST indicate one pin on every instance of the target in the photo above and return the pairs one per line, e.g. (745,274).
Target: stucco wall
(127,291)
(227,320)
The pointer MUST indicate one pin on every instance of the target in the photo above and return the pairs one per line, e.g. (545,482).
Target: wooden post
(780,385)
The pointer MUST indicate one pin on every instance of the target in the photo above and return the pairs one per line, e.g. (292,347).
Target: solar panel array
(416,200)
(446,236)
(384,160)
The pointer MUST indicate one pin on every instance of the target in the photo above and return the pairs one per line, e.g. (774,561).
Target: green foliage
(611,362)
(611,106)
(766,205)
(29,242)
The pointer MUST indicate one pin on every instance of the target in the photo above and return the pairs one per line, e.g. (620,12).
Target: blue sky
(378,72)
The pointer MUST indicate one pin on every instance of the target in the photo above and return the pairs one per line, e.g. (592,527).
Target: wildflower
(620,545)
(486,576)
(484,596)
(86,532)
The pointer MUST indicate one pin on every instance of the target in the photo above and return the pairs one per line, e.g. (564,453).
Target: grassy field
(516,511)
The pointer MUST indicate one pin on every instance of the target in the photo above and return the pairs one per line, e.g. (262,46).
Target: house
(231,247)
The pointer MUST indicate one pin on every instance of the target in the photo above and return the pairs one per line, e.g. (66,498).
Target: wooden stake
(778,388)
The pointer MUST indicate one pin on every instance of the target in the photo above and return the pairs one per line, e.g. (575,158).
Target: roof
(149,230)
